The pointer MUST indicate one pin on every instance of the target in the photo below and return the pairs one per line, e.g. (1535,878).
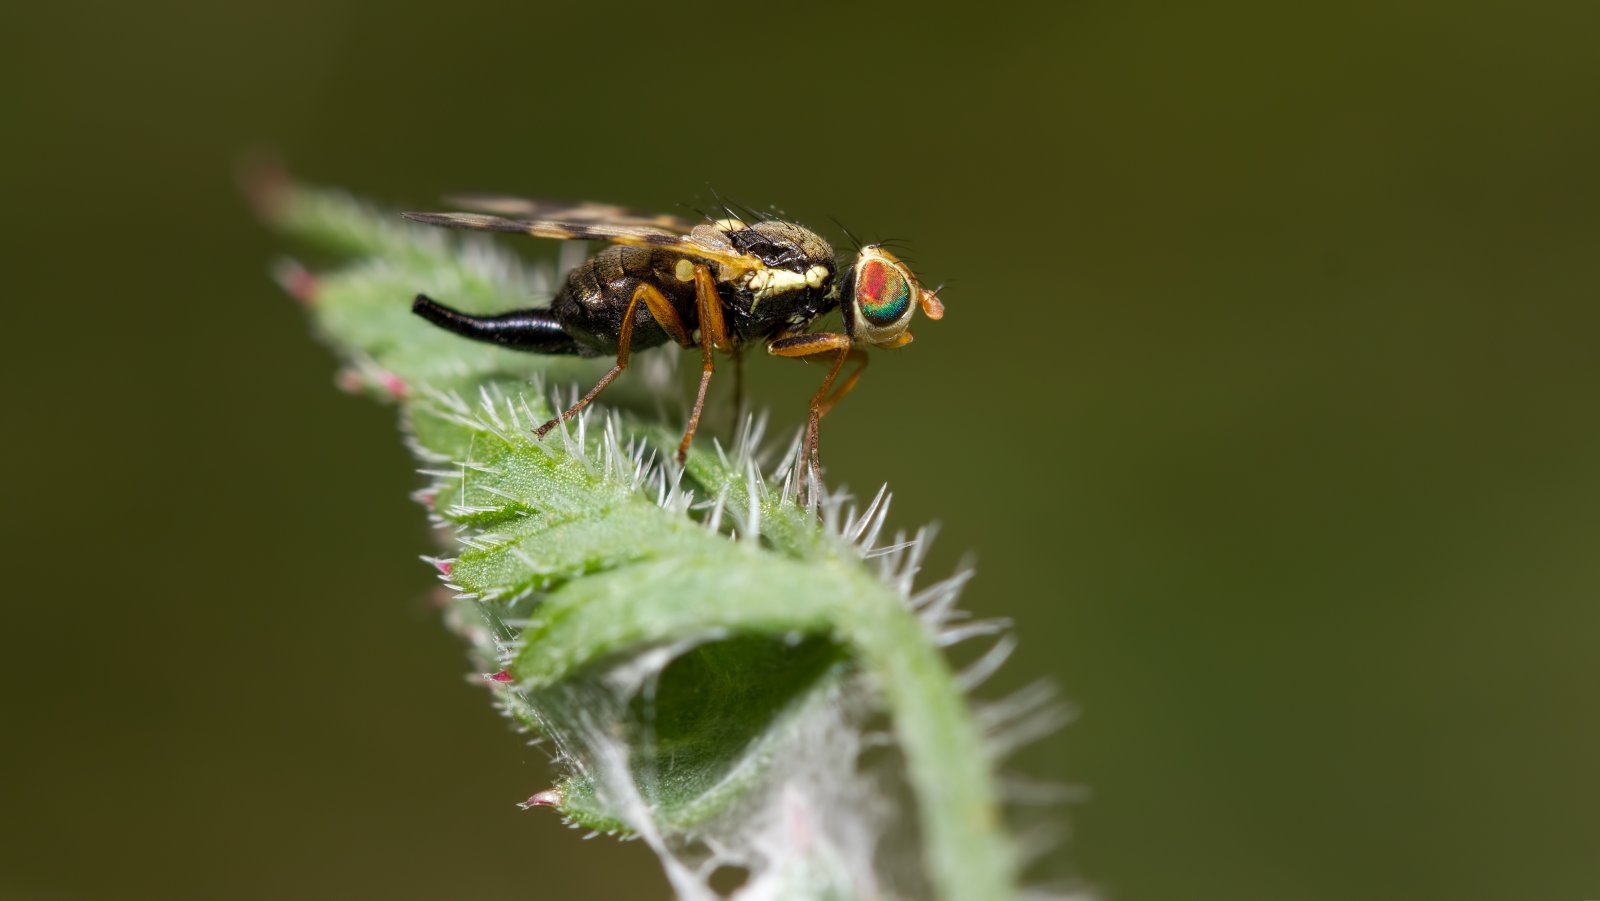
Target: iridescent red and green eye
(882,291)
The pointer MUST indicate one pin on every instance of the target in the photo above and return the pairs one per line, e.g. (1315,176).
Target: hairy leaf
(702,653)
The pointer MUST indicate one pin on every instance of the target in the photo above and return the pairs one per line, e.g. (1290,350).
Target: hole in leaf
(725,880)
(712,702)
(692,738)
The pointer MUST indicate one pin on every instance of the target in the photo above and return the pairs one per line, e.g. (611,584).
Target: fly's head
(879,296)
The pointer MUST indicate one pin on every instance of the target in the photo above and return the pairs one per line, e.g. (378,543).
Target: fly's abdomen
(596,295)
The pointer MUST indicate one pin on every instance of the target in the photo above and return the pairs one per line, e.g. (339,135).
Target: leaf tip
(548,798)
(296,281)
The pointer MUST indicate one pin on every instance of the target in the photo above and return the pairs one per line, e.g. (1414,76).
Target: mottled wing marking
(645,235)
(555,210)
(705,243)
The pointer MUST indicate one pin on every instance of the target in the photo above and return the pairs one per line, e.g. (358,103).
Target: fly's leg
(661,309)
(713,335)
(827,396)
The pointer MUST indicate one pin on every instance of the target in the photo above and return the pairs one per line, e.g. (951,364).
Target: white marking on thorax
(767,282)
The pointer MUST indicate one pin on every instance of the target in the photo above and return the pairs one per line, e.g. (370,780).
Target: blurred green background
(1266,402)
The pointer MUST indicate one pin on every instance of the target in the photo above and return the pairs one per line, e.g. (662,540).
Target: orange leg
(827,396)
(860,358)
(661,309)
(713,335)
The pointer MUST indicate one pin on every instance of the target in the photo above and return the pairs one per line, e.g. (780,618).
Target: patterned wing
(704,242)
(559,211)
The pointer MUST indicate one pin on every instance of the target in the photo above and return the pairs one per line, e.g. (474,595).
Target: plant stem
(969,856)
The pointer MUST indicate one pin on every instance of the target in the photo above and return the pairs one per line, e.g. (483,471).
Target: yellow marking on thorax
(767,282)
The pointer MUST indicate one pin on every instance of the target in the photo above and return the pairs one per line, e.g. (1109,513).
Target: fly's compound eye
(883,293)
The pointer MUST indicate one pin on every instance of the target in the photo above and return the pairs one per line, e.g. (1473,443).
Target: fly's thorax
(793,258)
(765,283)
(779,245)
(794,285)
(777,313)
